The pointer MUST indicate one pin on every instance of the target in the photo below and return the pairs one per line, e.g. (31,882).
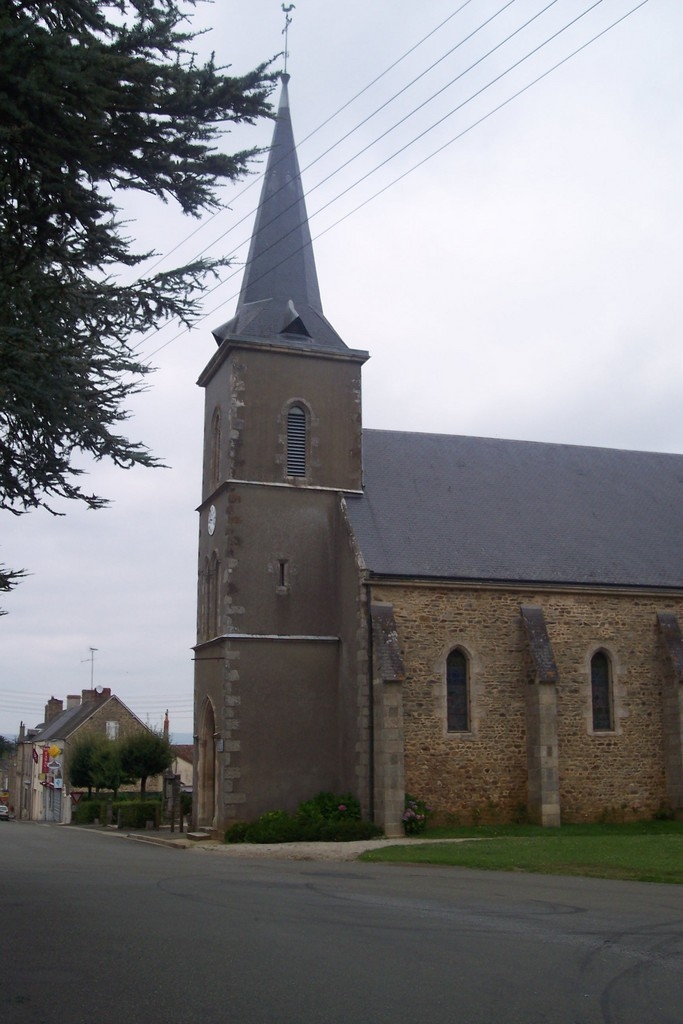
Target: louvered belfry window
(296,441)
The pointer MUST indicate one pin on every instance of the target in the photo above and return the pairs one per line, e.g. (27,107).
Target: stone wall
(111,711)
(481,775)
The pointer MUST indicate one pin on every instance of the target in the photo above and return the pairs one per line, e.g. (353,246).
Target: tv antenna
(91,659)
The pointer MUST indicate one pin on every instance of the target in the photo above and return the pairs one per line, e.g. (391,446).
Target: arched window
(212,598)
(296,441)
(601,692)
(457,692)
(215,448)
(203,602)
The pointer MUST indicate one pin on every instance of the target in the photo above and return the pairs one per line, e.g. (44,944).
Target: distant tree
(83,761)
(97,97)
(7,746)
(145,754)
(95,763)
(108,772)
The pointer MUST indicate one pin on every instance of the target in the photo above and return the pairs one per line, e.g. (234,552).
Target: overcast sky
(525,282)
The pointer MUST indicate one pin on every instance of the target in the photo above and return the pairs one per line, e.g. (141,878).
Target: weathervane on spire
(288,21)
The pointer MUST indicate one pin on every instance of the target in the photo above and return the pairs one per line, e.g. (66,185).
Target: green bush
(85,812)
(329,807)
(236,833)
(273,827)
(349,831)
(323,818)
(136,813)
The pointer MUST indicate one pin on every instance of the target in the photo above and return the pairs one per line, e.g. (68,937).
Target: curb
(171,844)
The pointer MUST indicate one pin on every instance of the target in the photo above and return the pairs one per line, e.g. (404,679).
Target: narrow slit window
(601,692)
(457,692)
(296,441)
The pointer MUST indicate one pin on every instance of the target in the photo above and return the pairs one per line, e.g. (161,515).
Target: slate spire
(281,263)
(280,297)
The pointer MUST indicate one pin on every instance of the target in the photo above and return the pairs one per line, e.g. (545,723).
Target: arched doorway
(206,768)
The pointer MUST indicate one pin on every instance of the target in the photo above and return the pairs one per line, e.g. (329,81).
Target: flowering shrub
(329,807)
(415,816)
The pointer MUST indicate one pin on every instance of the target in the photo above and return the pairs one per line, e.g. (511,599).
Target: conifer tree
(97,97)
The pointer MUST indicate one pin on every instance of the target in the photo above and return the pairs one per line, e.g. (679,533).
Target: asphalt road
(96,929)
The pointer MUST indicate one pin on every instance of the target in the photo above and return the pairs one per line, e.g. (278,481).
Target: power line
(485,117)
(469,99)
(440,149)
(315,131)
(440,91)
(352,131)
(360,124)
(369,117)
(18,698)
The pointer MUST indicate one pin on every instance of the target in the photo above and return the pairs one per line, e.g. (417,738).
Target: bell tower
(278,713)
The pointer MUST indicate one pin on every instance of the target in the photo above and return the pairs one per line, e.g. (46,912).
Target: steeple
(280,297)
(282,444)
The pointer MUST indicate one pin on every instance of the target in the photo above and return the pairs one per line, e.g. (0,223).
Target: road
(97,929)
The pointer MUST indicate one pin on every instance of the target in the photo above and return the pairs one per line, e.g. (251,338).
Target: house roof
(482,509)
(66,722)
(185,751)
(280,298)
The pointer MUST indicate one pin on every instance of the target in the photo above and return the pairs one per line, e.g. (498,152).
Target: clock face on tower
(212,520)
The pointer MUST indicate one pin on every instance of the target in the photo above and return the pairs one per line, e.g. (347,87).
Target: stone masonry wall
(112,711)
(481,775)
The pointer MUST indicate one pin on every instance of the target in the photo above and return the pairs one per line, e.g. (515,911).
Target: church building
(491,626)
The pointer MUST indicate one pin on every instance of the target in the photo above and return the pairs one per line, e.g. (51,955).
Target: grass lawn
(641,851)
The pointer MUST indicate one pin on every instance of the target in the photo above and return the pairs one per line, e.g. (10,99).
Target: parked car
(4,812)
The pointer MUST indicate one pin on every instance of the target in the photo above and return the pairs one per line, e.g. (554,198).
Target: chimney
(166,724)
(54,707)
(73,700)
(97,695)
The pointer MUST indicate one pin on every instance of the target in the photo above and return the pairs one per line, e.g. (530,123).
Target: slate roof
(66,722)
(472,508)
(280,298)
